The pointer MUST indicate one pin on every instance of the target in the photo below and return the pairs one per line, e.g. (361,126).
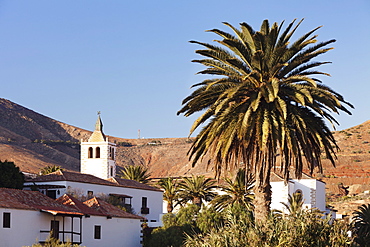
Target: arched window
(90,155)
(298,191)
(97,152)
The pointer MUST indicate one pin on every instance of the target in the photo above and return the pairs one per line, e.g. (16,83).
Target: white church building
(95,181)
(97,178)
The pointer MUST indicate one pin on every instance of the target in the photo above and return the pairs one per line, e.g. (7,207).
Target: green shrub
(52,242)
(305,230)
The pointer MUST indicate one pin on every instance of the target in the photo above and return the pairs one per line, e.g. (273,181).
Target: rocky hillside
(33,141)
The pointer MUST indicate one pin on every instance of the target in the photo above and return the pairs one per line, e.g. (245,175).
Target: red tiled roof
(109,210)
(87,178)
(132,184)
(78,205)
(71,176)
(33,200)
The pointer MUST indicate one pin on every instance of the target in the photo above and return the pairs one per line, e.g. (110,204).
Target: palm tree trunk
(197,201)
(169,207)
(262,196)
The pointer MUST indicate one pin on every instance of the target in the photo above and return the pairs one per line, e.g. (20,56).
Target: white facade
(115,232)
(29,226)
(313,192)
(24,227)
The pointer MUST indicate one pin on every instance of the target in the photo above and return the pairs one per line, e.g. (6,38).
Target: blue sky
(131,60)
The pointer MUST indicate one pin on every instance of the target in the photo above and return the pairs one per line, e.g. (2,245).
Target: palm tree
(135,172)
(170,195)
(265,101)
(362,225)
(49,169)
(295,204)
(196,189)
(237,191)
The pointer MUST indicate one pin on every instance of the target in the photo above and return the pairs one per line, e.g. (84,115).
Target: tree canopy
(10,175)
(265,99)
(135,172)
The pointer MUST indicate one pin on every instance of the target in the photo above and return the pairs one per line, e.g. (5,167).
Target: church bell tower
(98,155)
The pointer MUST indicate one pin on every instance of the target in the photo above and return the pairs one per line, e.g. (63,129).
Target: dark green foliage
(166,237)
(305,230)
(187,215)
(239,190)
(170,194)
(209,219)
(196,189)
(362,225)
(135,172)
(10,176)
(175,228)
(124,144)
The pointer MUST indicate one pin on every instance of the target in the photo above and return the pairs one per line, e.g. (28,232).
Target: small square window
(97,232)
(6,220)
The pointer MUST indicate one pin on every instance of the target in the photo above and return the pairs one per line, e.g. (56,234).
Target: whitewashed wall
(115,232)
(279,194)
(25,226)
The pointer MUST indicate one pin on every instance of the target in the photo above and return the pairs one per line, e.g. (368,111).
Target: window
(90,155)
(144,205)
(97,153)
(299,192)
(112,153)
(144,202)
(55,229)
(97,232)
(52,194)
(6,220)
(111,171)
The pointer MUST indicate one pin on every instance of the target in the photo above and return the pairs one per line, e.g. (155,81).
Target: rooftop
(33,200)
(87,178)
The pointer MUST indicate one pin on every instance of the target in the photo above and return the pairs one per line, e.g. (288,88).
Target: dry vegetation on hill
(34,141)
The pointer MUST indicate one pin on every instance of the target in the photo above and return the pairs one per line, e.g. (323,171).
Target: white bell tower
(98,156)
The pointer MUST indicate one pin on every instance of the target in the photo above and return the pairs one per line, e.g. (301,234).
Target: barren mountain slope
(33,141)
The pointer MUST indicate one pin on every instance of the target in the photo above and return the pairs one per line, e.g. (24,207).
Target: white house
(313,192)
(29,217)
(105,224)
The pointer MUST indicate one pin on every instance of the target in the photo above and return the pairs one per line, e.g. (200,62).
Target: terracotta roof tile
(78,205)
(108,209)
(132,184)
(32,200)
(87,178)
(71,176)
